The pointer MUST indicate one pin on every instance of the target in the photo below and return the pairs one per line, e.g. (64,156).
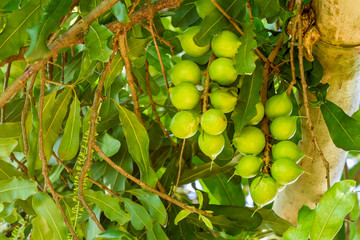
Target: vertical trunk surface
(338,50)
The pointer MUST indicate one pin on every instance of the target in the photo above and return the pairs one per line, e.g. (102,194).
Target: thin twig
(144,185)
(161,39)
(6,81)
(151,23)
(20,164)
(44,160)
(248,5)
(179,171)
(205,95)
(61,84)
(306,103)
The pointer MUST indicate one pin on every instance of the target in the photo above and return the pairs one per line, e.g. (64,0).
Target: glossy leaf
(108,204)
(45,207)
(115,234)
(138,143)
(152,203)
(16,188)
(7,145)
(185,15)
(304,223)
(156,233)
(115,69)
(249,96)
(120,12)
(334,205)
(267,8)
(92,230)
(245,58)
(108,144)
(86,70)
(41,231)
(273,221)
(87,5)
(344,130)
(33,140)
(206,221)
(7,171)
(49,23)
(13,37)
(96,42)
(10,130)
(181,215)
(70,142)
(139,216)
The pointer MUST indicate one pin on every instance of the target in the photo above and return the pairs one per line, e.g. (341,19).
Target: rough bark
(339,53)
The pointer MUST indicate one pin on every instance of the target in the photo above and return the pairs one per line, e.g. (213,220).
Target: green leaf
(115,234)
(7,171)
(115,69)
(139,216)
(305,221)
(96,42)
(86,70)
(49,23)
(120,12)
(334,205)
(108,144)
(110,206)
(10,130)
(16,188)
(249,96)
(152,203)
(87,6)
(7,145)
(215,21)
(13,37)
(206,221)
(45,207)
(273,221)
(267,8)
(185,15)
(41,231)
(156,233)
(70,142)
(344,130)
(181,215)
(245,58)
(91,229)
(33,140)
(138,143)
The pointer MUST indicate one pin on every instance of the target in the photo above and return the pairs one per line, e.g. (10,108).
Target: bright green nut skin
(250,141)
(248,166)
(283,128)
(287,149)
(222,71)
(204,7)
(259,114)
(225,44)
(188,44)
(285,171)
(277,106)
(223,100)
(213,121)
(185,71)
(184,124)
(211,145)
(263,190)
(184,96)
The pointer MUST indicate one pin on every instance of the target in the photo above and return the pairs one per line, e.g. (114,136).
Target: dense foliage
(112,137)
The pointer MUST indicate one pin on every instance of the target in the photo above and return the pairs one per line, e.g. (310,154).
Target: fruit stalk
(205,96)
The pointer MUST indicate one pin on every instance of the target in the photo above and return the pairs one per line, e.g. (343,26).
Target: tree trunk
(338,50)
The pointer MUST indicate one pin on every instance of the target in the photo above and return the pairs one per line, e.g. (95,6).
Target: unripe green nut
(283,128)
(222,71)
(185,71)
(188,44)
(225,44)
(248,166)
(223,100)
(184,124)
(211,145)
(184,96)
(285,171)
(287,149)
(213,121)
(263,190)
(250,141)
(259,114)
(277,106)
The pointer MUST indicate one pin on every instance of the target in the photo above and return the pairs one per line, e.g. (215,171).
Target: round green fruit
(278,105)
(250,141)
(263,190)
(185,71)
(222,71)
(285,171)
(283,128)
(204,7)
(287,149)
(211,145)
(259,114)
(184,96)
(248,166)
(225,44)
(184,124)
(188,44)
(213,121)
(223,100)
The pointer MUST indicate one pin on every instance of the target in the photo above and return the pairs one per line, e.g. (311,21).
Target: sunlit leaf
(245,58)
(42,231)
(139,216)
(7,171)
(96,42)
(181,215)
(16,188)
(304,223)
